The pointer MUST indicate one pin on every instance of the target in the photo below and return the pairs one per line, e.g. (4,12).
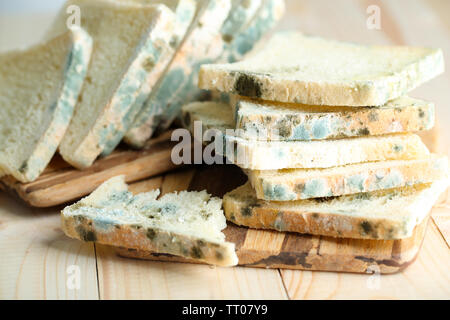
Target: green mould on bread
(277,192)
(85,234)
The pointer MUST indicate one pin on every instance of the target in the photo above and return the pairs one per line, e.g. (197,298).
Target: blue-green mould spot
(248,86)
(356,182)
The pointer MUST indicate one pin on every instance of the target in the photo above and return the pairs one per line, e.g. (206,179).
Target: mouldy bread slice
(274,155)
(271,121)
(296,184)
(385,215)
(186,224)
(200,41)
(39,88)
(266,18)
(134,39)
(311,70)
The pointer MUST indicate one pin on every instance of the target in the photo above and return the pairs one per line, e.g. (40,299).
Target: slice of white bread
(131,42)
(297,184)
(274,155)
(186,224)
(39,88)
(316,71)
(150,117)
(272,121)
(385,215)
(253,30)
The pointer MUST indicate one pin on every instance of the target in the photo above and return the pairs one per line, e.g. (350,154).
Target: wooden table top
(40,262)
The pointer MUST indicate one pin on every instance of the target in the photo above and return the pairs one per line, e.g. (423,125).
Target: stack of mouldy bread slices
(326,136)
(86,88)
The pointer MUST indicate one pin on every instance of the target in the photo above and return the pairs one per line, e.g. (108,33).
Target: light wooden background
(36,259)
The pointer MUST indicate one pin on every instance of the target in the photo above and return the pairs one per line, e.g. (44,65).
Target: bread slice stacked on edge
(325,133)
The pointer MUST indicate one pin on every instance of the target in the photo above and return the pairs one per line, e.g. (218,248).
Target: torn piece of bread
(39,88)
(131,47)
(384,215)
(272,121)
(274,155)
(297,184)
(310,70)
(186,224)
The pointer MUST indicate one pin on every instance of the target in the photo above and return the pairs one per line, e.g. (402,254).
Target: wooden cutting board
(271,249)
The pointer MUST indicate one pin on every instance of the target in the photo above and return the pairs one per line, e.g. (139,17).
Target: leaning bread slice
(385,215)
(179,83)
(310,70)
(131,48)
(274,155)
(39,88)
(297,184)
(186,224)
(272,121)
